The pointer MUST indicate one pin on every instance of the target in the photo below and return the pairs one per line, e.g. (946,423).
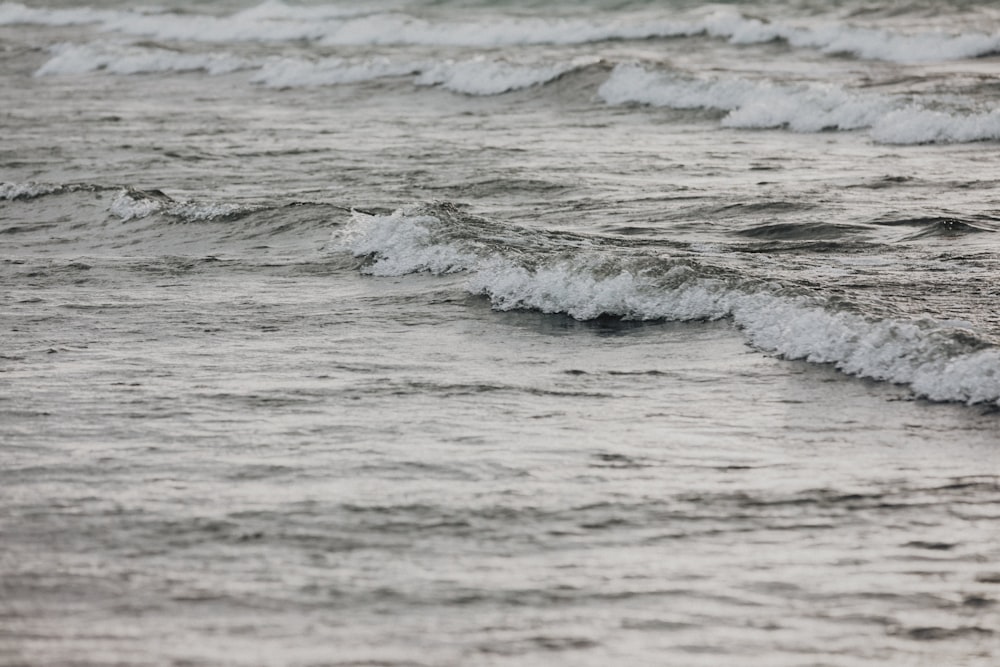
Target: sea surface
(452,333)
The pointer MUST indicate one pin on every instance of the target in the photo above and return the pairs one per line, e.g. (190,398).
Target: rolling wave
(747,104)
(98,219)
(473,76)
(788,313)
(335,25)
(765,104)
(590,277)
(69,58)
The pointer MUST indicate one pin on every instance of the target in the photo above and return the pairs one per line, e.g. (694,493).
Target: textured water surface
(499,333)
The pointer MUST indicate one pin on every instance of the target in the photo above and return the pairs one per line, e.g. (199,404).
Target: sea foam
(131,204)
(589,280)
(764,104)
(339,25)
(750,104)
(298,72)
(129,59)
(477,76)
(915,125)
(835,38)
(482,76)
(11,191)
(474,76)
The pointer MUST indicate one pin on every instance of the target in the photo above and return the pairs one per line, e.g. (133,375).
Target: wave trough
(335,25)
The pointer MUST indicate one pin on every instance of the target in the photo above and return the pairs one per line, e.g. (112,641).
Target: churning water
(499,333)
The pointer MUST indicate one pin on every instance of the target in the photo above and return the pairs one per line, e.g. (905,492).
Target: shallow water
(499,334)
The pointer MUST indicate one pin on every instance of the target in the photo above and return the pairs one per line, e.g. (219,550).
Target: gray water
(499,334)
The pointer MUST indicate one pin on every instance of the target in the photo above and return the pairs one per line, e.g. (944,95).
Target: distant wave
(748,104)
(867,43)
(587,278)
(70,58)
(763,104)
(482,76)
(337,26)
(128,203)
(302,73)
(276,22)
(150,222)
(131,204)
(751,104)
(12,191)
(473,76)
(916,125)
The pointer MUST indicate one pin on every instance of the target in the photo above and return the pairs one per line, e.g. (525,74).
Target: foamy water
(440,333)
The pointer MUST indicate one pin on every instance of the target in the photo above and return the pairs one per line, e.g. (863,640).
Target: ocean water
(451,333)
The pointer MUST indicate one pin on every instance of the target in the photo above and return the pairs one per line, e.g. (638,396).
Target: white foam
(402,243)
(477,76)
(129,207)
(201,211)
(873,44)
(763,104)
(275,10)
(270,22)
(10,191)
(481,76)
(133,205)
(333,25)
(751,104)
(914,125)
(594,282)
(837,38)
(296,72)
(15,13)
(367,25)
(398,28)
(123,59)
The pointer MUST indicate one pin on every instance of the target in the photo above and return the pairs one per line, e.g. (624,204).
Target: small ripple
(935,633)
(935,226)
(513,647)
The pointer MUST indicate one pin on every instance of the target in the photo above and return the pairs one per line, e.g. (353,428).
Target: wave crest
(133,204)
(764,105)
(337,25)
(588,278)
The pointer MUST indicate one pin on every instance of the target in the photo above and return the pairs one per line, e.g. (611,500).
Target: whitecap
(593,281)
(367,25)
(915,125)
(129,59)
(131,204)
(10,191)
(298,72)
(765,104)
(482,76)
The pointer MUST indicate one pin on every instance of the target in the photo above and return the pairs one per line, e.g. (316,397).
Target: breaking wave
(836,38)
(131,204)
(336,25)
(473,76)
(128,203)
(480,76)
(131,59)
(747,104)
(588,277)
(763,104)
